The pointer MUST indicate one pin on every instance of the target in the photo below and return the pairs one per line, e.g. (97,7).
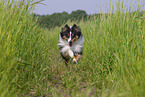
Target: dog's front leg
(76,58)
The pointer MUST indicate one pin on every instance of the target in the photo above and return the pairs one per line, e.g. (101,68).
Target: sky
(90,6)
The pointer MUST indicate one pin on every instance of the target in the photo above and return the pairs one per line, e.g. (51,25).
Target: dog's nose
(70,42)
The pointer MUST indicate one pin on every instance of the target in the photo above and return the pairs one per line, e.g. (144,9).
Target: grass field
(113,62)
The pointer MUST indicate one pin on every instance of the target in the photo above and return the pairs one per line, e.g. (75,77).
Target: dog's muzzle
(70,43)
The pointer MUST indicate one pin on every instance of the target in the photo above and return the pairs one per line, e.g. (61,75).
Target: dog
(71,43)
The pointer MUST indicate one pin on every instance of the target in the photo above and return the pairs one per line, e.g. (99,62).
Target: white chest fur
(66,49)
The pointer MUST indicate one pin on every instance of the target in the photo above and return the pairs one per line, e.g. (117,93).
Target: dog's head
(70,34)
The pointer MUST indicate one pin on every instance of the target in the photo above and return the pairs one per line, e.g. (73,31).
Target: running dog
(71,43)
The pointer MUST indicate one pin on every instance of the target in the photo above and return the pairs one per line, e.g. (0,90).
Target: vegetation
(112,63)
(57,19)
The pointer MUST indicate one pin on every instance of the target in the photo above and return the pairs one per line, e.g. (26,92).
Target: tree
(78,15)
(57,19)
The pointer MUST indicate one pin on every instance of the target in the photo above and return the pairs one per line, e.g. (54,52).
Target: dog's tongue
(70,44)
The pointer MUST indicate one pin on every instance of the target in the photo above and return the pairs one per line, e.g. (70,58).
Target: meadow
(113,62)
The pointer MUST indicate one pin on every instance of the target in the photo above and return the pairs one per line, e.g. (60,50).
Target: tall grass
(112,63)
(21,47)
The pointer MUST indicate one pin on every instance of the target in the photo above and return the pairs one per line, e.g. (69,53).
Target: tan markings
(76,29)
(77,57)
(75,39)
(64,29)
(65,38)
(67,57)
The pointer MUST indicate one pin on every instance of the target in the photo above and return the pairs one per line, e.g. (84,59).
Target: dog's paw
(74,61)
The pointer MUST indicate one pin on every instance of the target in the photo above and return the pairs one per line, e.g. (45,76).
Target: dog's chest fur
(66,49)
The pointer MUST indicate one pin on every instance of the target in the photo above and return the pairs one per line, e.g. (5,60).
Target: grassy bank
(22,49)
(112,63)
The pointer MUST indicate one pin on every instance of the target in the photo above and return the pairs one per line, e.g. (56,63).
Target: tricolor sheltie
(71,43)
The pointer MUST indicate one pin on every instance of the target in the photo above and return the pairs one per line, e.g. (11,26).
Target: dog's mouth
(70,43)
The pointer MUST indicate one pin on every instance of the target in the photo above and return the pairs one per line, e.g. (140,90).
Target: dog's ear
(74,25)
(76,28)
(63,29)
(66,28)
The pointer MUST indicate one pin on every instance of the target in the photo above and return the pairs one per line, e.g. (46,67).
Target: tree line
(57,19)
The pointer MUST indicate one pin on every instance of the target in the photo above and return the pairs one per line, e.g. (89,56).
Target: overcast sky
(90,6)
